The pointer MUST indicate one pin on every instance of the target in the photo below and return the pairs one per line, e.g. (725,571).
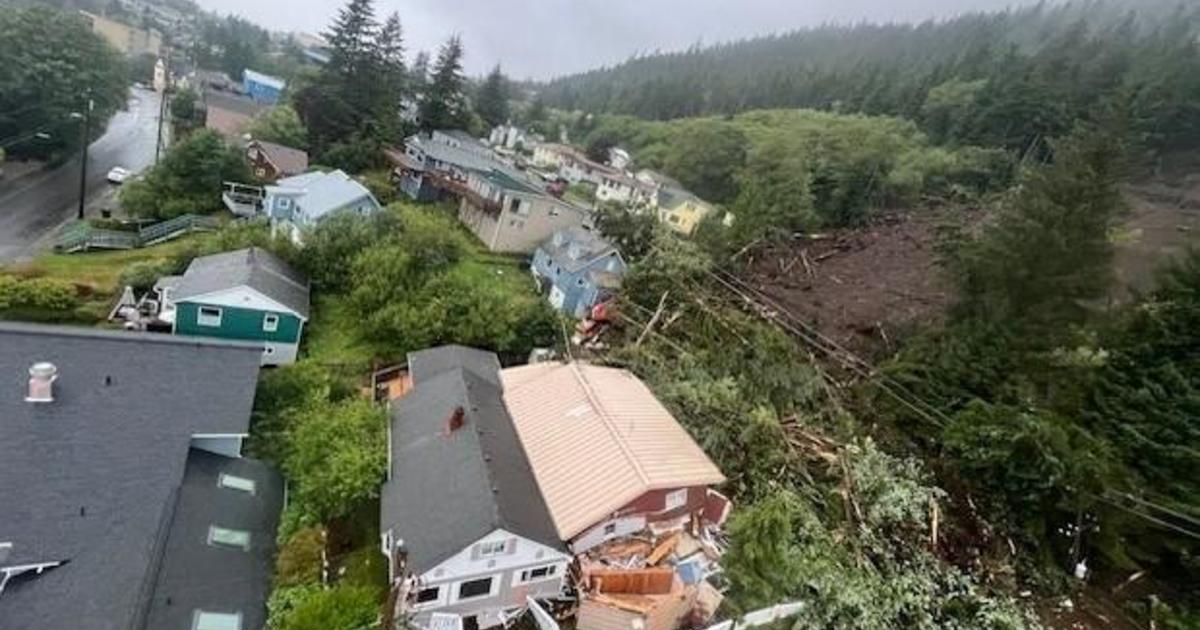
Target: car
(118,175)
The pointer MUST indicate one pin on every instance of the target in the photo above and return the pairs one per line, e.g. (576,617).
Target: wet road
(34,206)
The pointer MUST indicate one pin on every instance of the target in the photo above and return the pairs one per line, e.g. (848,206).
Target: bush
(299,559)
(340,608)
(142,275)
(365,567)
(40,294)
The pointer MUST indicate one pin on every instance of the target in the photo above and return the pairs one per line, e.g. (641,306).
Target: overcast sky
(543,38)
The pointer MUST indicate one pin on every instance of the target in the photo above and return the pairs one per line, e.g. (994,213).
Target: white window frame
(519,576)
(208,320)
(198,614)
(270,322)
(285,203)
(437,602)
(487,548)
(235,482)
(493,589)
(675,499)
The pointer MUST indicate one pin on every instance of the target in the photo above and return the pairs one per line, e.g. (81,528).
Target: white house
(464,527)
(621,188)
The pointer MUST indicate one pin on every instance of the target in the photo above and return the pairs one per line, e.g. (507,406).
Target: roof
(446,489)
(233,580)
(252,267)
(670,198)
(89,478)
(460,157)
(508,182)
(264,79)
(461,135)
(233,103)
(574,412)
(590,244)
(286,159)
(425,365)
(321,193)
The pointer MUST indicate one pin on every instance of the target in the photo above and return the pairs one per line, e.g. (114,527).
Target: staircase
(80,236)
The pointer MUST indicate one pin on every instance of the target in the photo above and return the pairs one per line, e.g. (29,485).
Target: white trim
(7,573)
(240,296)
(270,322)
(443,595)
(675,499)
(487,548)
(209,320)
(219,435)
(554,574)
(494,588)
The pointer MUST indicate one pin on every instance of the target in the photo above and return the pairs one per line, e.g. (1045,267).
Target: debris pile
(653,580)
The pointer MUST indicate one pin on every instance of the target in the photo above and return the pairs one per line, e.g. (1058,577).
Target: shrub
(37,294)
(299,560)
(342,607)
(142,275)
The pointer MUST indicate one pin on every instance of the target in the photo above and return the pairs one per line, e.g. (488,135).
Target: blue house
(263,88)
(295,203)
(579,269)
(431,164)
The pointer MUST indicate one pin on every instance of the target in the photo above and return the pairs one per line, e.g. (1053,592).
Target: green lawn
(95,274)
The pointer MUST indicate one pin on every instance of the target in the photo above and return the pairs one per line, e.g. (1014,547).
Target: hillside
(1005,79)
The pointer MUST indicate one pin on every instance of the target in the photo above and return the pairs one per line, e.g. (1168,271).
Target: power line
(1161,508)
(1148,517)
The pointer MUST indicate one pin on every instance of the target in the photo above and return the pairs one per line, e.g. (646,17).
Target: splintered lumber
(658,312)
(653,581)
(664,549)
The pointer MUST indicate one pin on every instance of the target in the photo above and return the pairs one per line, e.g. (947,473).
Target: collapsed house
(562,482)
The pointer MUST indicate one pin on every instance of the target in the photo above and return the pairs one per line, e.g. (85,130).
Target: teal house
(244,295)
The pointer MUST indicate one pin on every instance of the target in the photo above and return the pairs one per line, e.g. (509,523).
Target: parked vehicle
(118,175)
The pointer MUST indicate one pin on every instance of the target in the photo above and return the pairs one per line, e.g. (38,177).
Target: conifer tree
(492,102)
(445,106)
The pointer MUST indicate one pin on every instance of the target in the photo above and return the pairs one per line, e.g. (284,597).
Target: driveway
(34,206)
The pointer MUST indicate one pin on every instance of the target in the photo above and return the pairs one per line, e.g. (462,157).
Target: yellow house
(682,210)
(129,40)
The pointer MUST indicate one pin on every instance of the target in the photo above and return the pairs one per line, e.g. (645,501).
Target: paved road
(33,207)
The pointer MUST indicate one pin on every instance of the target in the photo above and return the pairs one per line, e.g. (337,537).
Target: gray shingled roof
(90,478)
(287,160)
(199,576)
(591,248)
(448,490)
(425,365)
(253,267)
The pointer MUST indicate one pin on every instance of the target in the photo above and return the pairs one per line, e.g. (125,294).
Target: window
(539,573)
(204,620)
(493,548)
(579,282)
(233,482)
(475,588)
(209,316)
(270,322)
(222,537)
(284,203)
(610,529)
(676,499)
(426,595)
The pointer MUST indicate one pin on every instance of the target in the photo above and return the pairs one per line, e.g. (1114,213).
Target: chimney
(41,383)
(456,420)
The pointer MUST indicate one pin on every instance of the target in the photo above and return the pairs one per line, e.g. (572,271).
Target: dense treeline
(1005,79)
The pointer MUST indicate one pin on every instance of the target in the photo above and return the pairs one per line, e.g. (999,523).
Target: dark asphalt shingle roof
(89,478)
(253,267)
(195,575)
(448,490)
(425,365)
(287,160)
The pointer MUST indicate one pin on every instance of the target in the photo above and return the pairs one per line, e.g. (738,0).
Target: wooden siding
(236,323)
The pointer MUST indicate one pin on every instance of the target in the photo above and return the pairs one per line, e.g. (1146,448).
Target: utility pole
(162,106)
(85,140)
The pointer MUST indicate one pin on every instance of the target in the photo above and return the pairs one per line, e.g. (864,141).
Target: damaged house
(549,470)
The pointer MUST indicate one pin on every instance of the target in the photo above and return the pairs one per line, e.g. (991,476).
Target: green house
(245,295)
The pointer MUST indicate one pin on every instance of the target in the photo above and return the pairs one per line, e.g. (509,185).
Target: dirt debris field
(866,287)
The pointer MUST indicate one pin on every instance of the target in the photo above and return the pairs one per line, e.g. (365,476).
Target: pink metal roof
(597,438)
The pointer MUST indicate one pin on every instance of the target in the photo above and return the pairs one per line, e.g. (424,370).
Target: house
(130,40)
(509,136)
(262,88)
(126,504)
(621,188)
(681,210)
(619,158)
(271,161)
(513,215)
(230,114)
(296,203)
(436,165)
(578,268)
(463,525)
(654,475)
(246,295)
(578,168)
(553,155)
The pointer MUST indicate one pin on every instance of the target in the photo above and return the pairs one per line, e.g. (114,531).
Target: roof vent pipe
(41,383)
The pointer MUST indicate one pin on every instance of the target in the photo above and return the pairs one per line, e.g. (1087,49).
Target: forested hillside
(1003,79)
